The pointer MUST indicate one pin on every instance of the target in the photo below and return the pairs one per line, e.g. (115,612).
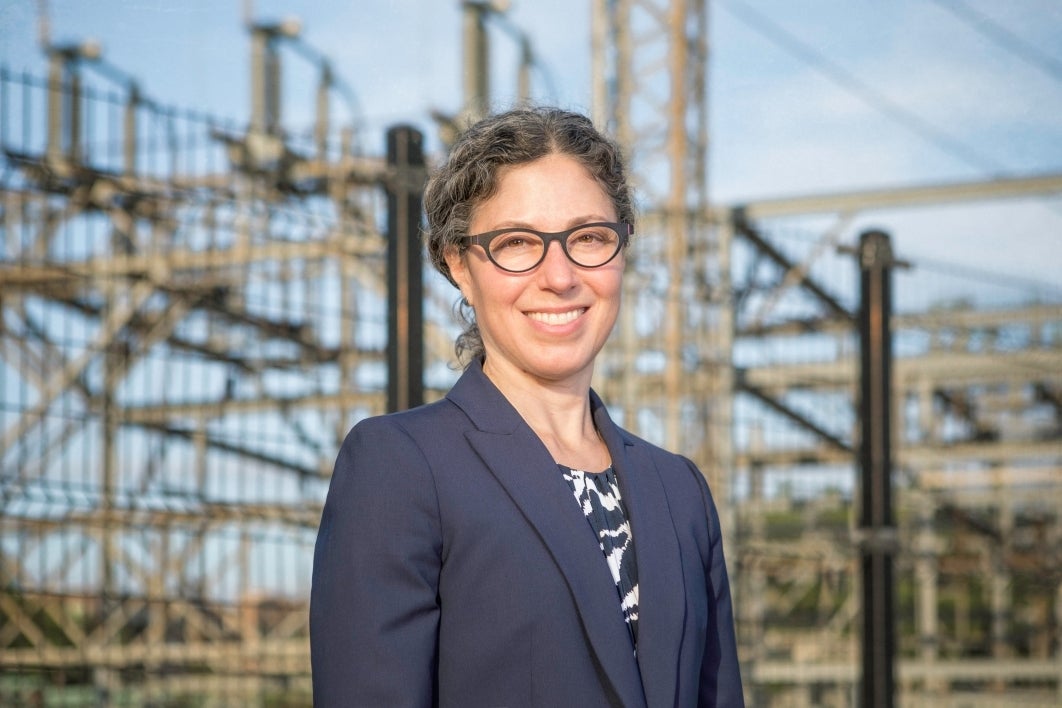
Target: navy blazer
(453,567)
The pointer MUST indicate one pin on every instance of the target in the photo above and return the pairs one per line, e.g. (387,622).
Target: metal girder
(231,655)
(799,274)
(902,197)
(129,549)
(963,319)
(778,406)
(743,228)
(116,319)
(953,368)
(911,456)
(966,670)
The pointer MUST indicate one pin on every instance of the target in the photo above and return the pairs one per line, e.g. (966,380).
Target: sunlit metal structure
(194,312)
(191,322)
(669,365)
(740,350)
(977,451)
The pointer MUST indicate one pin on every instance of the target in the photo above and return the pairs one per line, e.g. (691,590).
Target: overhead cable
(1003,37)
(848,81)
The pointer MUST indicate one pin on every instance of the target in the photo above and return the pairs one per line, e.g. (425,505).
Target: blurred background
(197,205)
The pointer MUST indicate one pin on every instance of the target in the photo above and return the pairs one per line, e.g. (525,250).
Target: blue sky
(808,97)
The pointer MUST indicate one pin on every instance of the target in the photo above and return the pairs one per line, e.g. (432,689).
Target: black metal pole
(405,302)
(878,532)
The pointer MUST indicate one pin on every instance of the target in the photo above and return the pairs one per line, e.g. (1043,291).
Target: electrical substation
(194,312)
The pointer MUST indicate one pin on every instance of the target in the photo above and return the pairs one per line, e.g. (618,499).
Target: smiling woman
(545,325)
(510,545)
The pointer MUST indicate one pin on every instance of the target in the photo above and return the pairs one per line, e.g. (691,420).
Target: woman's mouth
(557,318)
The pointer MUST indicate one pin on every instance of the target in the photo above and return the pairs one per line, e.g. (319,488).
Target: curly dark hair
(470,176)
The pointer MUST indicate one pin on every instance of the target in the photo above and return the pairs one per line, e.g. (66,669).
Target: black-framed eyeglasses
(519,249)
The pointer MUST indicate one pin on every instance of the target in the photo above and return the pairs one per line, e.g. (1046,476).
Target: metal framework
(669,362)
(738,353)
(194,313)
(977,450)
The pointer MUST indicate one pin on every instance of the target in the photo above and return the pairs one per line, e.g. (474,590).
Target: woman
(509,545)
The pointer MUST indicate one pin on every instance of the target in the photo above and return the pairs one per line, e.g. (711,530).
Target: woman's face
(550,322)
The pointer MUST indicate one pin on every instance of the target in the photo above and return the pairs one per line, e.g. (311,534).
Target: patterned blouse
(598,496)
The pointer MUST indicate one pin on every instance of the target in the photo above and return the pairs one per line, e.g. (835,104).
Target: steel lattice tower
(650,64)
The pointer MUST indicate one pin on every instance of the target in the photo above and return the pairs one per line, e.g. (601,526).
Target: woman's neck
(558,412)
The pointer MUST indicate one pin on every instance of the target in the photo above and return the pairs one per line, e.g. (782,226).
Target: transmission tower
(740,355)
(188,331)
(668,362)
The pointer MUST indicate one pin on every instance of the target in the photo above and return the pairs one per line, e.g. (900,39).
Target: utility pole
(476,72)
(405,300)
(877,526)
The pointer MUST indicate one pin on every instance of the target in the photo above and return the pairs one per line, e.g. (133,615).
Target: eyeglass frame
(621,228)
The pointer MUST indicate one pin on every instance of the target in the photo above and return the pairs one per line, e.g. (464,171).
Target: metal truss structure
(977,444)
(669,362)
(194,314)
(192,320)
(738,353)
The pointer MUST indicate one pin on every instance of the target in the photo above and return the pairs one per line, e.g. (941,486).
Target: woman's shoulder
(409,440)
(428,419)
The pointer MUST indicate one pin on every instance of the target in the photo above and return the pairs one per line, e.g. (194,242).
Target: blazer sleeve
(720,684)
(374,610)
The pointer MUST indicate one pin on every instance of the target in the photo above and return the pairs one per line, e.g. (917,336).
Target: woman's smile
(557,318)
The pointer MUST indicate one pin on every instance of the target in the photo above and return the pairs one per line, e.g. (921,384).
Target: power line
(848,81)
(1050,291)
(1003,37)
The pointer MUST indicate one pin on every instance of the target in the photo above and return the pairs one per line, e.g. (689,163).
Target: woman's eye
(512,242)
(590,237)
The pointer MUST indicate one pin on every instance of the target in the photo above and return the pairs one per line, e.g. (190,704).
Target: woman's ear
(455,261)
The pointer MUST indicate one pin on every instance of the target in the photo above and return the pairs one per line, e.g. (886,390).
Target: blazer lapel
(661,598)
(523,466)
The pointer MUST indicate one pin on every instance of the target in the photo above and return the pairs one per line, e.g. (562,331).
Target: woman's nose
(556,268)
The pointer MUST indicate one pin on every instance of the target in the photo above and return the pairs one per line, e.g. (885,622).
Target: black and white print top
(598,496)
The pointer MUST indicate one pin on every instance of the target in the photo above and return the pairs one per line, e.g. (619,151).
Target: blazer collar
(523,466)
(661,598)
